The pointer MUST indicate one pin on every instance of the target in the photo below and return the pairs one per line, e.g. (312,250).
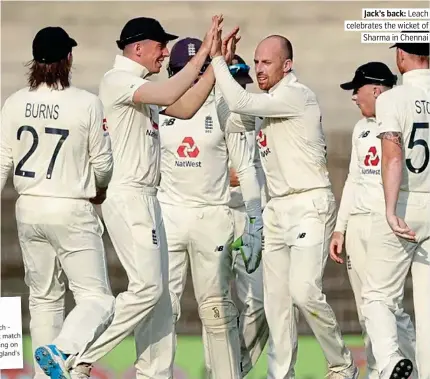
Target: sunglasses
(174,70)
(239,68)
(362,75)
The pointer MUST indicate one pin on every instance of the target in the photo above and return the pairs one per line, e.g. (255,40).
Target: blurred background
(324,56)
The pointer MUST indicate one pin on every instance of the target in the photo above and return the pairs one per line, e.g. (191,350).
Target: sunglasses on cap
(239,68)
(172,70)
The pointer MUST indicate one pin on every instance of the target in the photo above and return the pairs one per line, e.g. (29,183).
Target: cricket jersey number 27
(20,169)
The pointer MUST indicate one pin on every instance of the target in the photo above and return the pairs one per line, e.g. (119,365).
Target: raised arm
(231,122)
(188,104)
(168,92)
(285,102)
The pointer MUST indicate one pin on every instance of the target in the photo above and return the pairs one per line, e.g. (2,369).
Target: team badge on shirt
(209,124)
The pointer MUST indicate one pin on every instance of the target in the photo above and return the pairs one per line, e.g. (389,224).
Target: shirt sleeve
(231,122)
(284,102)
(123,86)
(6,156)
(242,161)
(387,117)
(349,189)
(100,145)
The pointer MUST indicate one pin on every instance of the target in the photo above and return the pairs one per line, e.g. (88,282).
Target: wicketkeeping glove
(249,244)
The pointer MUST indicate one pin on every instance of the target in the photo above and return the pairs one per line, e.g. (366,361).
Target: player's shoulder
(395,95)
(302,90)
(84,97)
(16,99)
(118,76)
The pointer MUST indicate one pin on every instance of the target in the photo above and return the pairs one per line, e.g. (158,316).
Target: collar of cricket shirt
(127,64)
(414,76)
(290,78)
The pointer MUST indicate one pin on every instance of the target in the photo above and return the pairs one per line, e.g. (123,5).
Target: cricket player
(400,234)
(300,216)
(131,211)
(194,196)
(253,328)
(361,193)
(53,136)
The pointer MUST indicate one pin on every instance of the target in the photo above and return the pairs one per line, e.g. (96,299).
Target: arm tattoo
(395,137)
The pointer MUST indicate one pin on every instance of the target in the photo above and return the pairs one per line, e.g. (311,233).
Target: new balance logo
(168,122)
(301,235)
(219,248)
(364,134)
(154,237)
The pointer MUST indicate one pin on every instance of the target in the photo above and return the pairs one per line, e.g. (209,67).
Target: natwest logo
(372,158)
(188,149)
(262,144)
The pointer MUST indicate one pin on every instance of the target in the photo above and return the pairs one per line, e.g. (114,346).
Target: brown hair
(55,75)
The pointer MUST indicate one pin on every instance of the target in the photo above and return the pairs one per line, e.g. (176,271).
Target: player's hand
(234,180)
(400,228)
(216,49)
(250,244)
(100,196)
(228,46)
(211,34)
(336,247)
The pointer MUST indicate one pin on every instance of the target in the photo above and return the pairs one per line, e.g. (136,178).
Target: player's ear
(376,91)
(288,65)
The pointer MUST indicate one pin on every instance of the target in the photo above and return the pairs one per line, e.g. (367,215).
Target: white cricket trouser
(253,327)
(59,235)
(135,225)
(297,232)
(387,265)
(201,236)
(356,244)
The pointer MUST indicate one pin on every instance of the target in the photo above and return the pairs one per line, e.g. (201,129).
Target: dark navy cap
(183,51)
(141,28)
(371,73)
(52,44)
(415,48)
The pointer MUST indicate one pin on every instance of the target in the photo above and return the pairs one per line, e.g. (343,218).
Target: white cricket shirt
(291,140)
(194,159)
(406,109)
(133,128)
(362,191)
(56,142)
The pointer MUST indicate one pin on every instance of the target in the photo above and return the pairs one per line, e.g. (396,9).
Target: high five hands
(226,46)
